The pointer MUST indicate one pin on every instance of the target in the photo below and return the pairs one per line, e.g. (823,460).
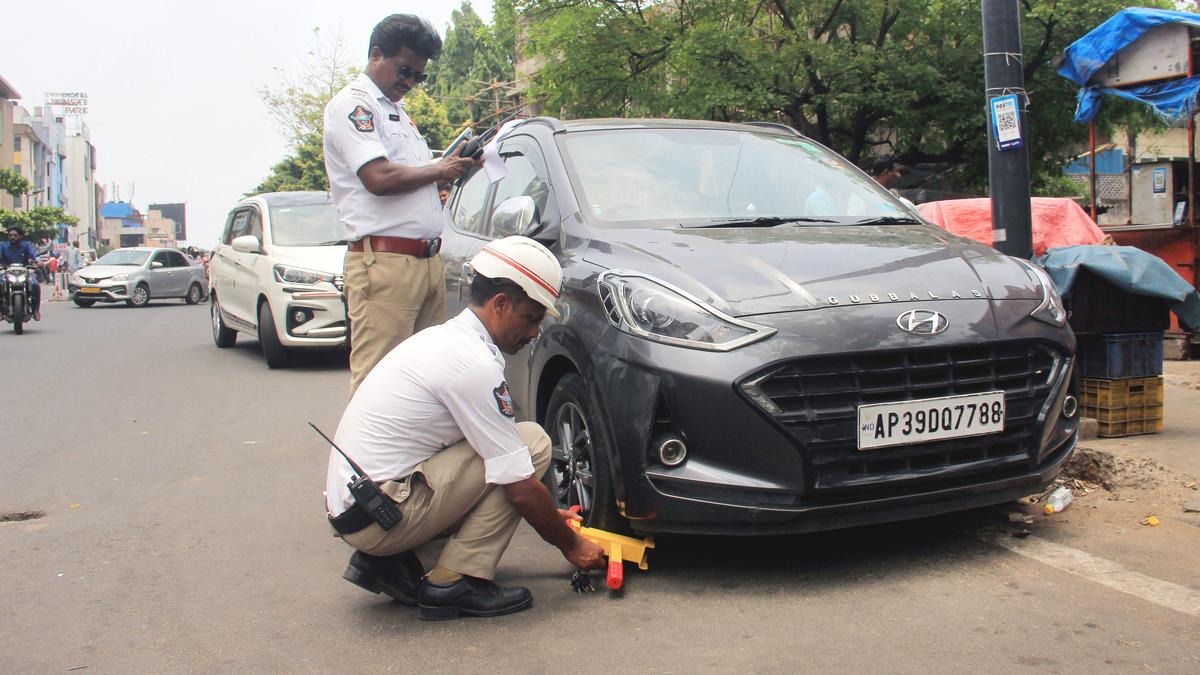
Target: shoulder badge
(363,119)
(504,400)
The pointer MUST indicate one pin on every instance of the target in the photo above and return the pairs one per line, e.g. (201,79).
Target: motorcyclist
(16,251)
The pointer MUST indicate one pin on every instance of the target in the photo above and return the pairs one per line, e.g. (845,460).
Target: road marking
(1101,571)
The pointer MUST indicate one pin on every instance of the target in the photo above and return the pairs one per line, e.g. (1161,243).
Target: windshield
(124,257)
(307,225)
(697,177)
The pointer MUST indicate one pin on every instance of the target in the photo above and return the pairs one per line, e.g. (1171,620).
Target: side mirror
(155,265)
(247,243)
(515,215)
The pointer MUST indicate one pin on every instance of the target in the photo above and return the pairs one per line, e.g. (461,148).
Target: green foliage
(297,103)
(302,169)
(430,117)
(14,183)
(900,77)
(474,56)
(38,223)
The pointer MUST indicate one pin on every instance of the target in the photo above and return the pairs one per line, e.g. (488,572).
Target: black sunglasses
(405,73)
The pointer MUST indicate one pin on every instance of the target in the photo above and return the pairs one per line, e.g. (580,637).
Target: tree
(302,169)
(898,77)
(298,104)
(14,183)
(474,56)
(39,223)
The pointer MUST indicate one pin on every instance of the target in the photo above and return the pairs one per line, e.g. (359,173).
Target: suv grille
(817,400)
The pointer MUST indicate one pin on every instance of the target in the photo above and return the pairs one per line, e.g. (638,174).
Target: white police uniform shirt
(440,386)
(361,124)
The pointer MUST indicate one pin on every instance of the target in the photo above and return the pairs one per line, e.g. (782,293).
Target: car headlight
(119,277)
(655,310)
(1051,309)
(296,275)
(75,278)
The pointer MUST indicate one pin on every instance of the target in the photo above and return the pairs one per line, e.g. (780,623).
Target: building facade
(84,197)
(121,225)
(8,95)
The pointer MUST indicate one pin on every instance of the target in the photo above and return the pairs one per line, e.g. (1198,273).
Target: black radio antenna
(357,469)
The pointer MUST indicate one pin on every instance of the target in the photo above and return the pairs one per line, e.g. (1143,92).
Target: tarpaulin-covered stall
(1146,55)
(1056,221)
(1128,269)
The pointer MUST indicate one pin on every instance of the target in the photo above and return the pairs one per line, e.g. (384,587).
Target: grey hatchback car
(137,275)
(757,338)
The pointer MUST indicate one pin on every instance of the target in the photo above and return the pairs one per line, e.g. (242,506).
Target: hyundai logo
(922,322)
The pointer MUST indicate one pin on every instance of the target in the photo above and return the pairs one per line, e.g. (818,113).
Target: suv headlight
(1051,309)
(285,274)
(655,310)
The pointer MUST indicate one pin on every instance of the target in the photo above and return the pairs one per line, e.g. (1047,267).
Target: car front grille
(816,401)
(339,282)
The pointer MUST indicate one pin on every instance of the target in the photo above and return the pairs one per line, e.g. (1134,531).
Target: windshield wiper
(764,221)
(888,220)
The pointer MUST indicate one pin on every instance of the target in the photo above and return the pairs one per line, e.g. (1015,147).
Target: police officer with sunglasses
(384,183)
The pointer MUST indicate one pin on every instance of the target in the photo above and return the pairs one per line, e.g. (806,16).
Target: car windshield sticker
(362,118)
(504,400)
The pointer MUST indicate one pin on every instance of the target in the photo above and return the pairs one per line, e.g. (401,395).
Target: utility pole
(1008,152)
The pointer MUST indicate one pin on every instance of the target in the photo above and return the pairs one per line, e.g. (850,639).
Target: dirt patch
(1114,472)
(21,515)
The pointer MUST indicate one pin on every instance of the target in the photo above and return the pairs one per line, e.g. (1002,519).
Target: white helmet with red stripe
(525,262)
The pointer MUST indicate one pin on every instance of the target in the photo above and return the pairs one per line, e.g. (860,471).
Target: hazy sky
(174,109)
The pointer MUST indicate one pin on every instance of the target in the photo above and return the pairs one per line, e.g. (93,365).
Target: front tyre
(140,297)
(223,335)
(17,313)
(274,351)
(579,473)
(194,295)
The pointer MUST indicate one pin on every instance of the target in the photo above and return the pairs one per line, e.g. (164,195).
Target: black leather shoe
(396,575)
(471,597)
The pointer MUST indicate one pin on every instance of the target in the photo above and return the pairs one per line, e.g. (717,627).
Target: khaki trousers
(389,296)
(447,493)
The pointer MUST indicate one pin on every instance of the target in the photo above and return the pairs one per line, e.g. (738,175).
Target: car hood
(746,271)
(327,259)
(106,271)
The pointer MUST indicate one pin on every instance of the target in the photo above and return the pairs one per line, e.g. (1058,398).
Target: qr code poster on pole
(1006,122)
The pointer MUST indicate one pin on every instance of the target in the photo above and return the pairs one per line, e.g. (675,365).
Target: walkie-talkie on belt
(366,493)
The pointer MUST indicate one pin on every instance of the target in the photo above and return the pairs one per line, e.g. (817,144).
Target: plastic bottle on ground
(1058,500)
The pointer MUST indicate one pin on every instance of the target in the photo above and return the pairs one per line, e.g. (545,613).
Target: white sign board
(68,102)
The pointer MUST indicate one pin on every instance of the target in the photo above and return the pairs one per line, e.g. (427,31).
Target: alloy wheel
(571,458)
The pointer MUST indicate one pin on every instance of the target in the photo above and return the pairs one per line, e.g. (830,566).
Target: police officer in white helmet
(433,424)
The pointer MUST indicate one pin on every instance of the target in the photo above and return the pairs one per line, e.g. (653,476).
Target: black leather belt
(353,519)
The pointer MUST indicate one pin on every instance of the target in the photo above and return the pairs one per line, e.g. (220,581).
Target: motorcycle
(16,305)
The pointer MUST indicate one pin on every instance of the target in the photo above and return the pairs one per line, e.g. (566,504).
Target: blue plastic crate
(1119,356)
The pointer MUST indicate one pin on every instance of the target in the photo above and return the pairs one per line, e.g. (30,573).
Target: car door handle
(462,279)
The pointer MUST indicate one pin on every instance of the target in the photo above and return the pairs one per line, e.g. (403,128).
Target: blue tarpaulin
(1084,57)
(1130,269)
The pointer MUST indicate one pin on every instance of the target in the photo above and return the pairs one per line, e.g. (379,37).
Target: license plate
(882,425)
(89,289)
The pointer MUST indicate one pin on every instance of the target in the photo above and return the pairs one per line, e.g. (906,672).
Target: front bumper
(104,291)
(310,318)
(752,471)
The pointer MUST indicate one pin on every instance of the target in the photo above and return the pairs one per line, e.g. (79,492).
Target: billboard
(67,102)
